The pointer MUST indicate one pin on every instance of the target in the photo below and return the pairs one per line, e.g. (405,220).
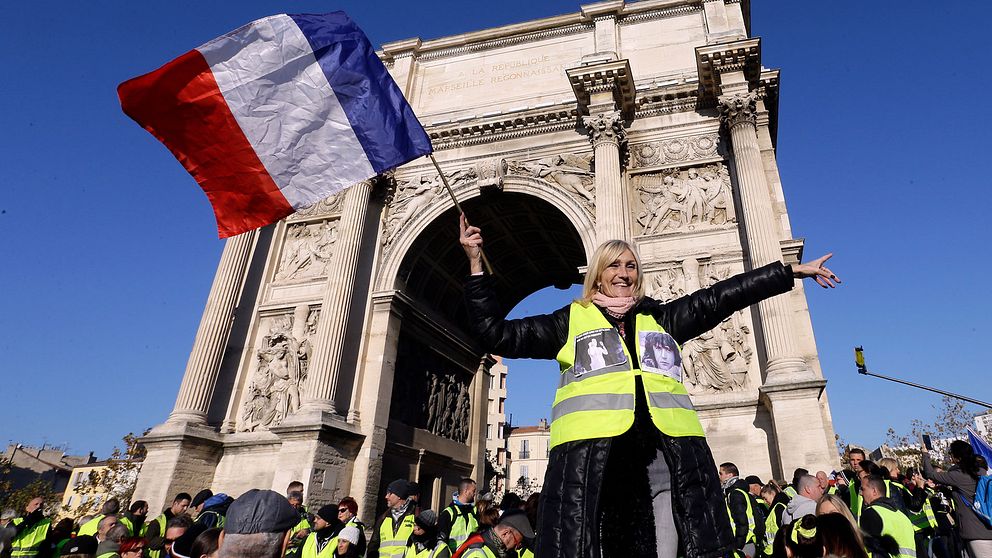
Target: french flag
(278,115)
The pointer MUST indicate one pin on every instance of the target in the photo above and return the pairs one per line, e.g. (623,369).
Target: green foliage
(17,499)
(118,479)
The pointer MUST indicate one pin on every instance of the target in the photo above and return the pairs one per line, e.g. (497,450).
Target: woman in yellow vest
(630,472)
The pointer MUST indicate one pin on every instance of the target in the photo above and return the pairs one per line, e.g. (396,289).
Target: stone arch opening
(438,404)
(530,243)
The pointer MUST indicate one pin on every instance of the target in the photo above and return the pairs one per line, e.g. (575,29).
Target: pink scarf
(616,306)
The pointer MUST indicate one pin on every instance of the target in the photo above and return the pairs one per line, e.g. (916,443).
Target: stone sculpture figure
(676,198)
(572,172)
(718,360)
(308,251)
(274,390)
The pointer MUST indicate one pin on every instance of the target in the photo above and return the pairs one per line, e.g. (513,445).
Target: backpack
(982,506)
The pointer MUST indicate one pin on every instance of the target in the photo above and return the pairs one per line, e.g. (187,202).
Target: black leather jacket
(574,501)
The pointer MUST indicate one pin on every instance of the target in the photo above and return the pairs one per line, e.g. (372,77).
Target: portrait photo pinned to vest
(660,354)
(597,350)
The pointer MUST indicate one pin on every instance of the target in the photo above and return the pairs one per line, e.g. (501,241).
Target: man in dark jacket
(745,515)
(395,526)
(214,511)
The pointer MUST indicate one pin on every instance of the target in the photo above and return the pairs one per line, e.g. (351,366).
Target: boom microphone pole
(859,361)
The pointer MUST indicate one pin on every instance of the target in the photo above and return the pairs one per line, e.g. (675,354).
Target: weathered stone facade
(348,360)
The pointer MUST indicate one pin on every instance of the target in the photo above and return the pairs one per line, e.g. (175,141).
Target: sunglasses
(342,510)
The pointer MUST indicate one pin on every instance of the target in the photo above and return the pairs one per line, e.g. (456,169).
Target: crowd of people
(869,510)
(265,524)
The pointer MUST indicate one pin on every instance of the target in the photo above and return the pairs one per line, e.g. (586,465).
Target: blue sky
(109,247)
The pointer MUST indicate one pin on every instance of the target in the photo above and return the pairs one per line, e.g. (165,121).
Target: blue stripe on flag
(379,114)
(980,446)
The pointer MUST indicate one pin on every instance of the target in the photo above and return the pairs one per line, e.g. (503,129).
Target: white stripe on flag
(281,99)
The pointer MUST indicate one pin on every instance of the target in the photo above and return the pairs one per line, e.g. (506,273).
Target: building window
(547,453)
(502,382)
(525,472)
(489,431)
(525,449)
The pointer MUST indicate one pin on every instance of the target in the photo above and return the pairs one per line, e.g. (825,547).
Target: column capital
(603,82)
(717,64)
(605,127)
(739,109)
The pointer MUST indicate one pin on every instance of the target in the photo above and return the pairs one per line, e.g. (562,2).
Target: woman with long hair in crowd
(963,476)
(839,537)
(833,504)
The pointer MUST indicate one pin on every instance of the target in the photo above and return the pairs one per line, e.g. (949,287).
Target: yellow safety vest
(310,547)
(28,543)
(462,525)
(771,528)
(895,524)
(90,527)
(441,548)
(478,551)
(751,537)
(925,518)
(600,403)
(393,545)
(294,543)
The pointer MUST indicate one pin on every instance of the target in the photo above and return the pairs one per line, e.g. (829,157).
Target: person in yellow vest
(498,541)
(348,514)
(79,547)
(458,520)
(31,530)
(615,425)
(257,525)
(776,500)
(134,518)
(395,526)
(300,531)
(882,520)
(110,543)
(156,527)
(849,483)
(111,507)
(745,522)
(323,540)
(348,543)
(426,541)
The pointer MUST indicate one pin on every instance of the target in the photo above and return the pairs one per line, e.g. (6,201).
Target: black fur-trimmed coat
(595,501)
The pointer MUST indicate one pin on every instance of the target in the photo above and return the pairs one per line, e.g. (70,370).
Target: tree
(525,487)
(952,420)
(493,474)
(117,479)
(17,499)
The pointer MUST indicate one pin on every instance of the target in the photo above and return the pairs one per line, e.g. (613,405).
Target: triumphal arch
(334,347)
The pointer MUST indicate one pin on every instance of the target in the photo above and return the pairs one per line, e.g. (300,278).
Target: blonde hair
(890,464)
(607,253)
(842,508)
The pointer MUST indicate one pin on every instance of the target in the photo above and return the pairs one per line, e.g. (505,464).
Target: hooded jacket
(589,479)
(797,508)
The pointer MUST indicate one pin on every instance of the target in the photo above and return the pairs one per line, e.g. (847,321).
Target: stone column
(335,308)
(738,112)
(211,338)
(608,136)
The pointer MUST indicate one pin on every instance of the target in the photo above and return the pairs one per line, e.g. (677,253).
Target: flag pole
(444,179)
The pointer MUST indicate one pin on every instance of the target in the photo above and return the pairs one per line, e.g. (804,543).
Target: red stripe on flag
(181,105)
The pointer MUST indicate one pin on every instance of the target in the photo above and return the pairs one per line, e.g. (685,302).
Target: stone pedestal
(180,458)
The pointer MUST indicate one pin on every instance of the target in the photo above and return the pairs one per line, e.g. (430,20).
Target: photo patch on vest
(660,354)
(596,350)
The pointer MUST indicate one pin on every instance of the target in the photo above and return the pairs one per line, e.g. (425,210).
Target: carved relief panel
(682,199)
(571,173)
(718,360)
(307,250)
(430,392)
(278,369)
